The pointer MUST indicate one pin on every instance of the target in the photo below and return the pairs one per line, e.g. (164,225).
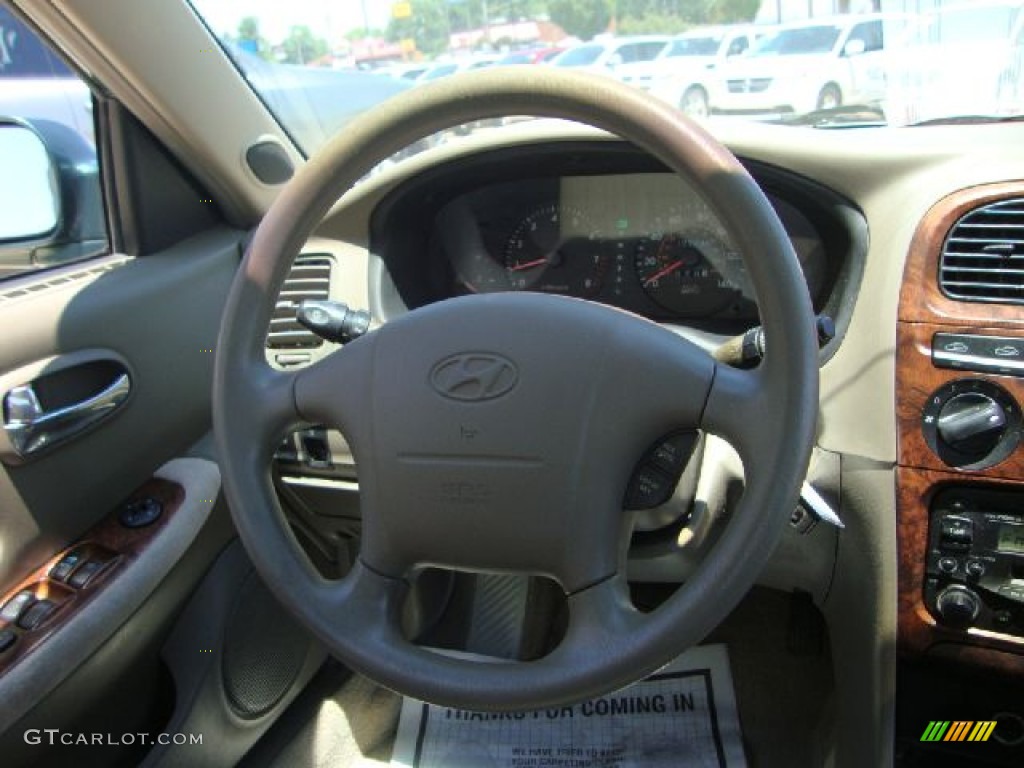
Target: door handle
(30,428)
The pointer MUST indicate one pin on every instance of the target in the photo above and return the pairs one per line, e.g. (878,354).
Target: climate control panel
(971,423)
(975,560)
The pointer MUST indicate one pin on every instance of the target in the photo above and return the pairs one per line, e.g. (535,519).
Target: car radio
(975,561)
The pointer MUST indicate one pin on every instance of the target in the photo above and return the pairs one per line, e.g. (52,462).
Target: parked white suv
(818,64)
(680,73)
(605,55)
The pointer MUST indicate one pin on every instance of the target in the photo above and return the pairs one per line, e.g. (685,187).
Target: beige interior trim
(176,96)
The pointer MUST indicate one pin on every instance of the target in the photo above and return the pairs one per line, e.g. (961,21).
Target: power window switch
(65,566)
(37,614)
(7,638)
(86,572)
(14,607)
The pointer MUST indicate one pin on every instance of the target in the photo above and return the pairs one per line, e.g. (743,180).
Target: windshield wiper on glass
(968,120)
(846,116)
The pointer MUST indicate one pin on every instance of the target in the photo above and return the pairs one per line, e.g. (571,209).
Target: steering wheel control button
(971,423)
(139,514)
(672,454)
(16,606)
(7,638)
(63,568)
(39,612)
(649,488)
(657,473)
(86,573)
(948,564)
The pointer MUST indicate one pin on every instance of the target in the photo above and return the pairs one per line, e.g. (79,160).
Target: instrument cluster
(644,242)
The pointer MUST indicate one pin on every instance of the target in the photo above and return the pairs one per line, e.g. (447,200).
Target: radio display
(1011,539)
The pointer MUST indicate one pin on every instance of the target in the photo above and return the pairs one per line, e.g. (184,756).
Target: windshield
(693,46)
(798,41)
(317,64)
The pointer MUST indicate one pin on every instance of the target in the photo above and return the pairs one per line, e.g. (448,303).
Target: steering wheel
(499,432)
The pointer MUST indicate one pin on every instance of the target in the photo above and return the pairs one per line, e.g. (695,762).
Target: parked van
(962,59)
(608,54)
(817,64)
(680,73)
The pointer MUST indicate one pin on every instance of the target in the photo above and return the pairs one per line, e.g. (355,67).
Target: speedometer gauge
(555,250)
(676,271)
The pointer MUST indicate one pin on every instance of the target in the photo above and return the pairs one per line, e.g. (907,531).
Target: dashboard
(609,225)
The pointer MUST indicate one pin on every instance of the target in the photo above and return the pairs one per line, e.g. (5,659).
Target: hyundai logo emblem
(473,377)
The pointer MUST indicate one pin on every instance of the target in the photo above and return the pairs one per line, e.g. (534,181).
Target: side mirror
(29,209)
(854,48)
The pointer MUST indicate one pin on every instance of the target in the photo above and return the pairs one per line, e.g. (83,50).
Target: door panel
(160,314)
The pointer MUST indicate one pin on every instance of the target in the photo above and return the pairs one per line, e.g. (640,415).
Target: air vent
(983,258)
(310,278)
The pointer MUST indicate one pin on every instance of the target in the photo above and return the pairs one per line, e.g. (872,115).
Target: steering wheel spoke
(333,391)
(599,613)
(738,410)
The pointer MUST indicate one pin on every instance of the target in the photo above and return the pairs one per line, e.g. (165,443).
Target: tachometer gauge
(555,250)
(676,272)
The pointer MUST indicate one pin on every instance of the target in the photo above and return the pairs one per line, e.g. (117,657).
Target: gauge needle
(527,265)
(663,272)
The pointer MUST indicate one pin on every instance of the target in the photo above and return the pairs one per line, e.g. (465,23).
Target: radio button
(1002,618)
(1012,592)
(958,605)
(956,534)
(975,568)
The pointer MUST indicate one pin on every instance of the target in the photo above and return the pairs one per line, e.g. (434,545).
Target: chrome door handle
(30,429)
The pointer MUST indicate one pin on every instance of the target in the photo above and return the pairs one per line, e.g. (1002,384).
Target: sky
(327,18)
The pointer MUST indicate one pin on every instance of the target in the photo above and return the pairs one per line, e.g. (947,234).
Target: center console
(974,575)
(960,478)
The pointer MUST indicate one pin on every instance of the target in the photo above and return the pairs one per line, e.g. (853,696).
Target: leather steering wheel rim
(634,379)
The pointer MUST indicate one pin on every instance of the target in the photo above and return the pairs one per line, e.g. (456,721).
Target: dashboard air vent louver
(983,258)
(310,278)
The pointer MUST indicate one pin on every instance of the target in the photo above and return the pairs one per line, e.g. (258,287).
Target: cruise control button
(672,454)
(37,614)
(14,607)
(648,489)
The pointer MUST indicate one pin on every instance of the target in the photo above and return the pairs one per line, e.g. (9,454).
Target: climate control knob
(957,605)
(972,423)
